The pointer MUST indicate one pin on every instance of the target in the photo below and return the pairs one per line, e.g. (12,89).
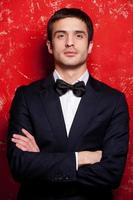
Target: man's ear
(49,45)
(90,47)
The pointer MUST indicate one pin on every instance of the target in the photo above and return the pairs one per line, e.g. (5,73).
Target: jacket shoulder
(36,86)
(104,88)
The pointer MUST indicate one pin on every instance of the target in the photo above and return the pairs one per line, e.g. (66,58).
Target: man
(68,134)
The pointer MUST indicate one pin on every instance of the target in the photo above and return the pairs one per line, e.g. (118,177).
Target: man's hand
(25,143)
(89,157)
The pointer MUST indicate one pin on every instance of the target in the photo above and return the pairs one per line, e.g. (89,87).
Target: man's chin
(71,65)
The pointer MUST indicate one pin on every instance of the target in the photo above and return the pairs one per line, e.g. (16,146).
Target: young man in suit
(68,134)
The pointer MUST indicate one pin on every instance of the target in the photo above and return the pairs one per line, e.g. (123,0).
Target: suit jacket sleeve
(56,167)
(108,172)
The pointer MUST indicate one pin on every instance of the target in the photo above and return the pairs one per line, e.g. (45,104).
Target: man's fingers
(27,134)
(26,142)
(24,148)
(20,143)
(22,140)
(23,145)
(20,137)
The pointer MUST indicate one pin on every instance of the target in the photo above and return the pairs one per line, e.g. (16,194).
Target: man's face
(69,44)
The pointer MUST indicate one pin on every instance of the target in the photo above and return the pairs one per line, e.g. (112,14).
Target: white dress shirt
(69,103)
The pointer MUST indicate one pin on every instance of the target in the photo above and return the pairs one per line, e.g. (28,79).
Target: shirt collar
(84,77)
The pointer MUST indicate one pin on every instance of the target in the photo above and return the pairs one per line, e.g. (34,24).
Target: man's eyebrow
(78,31)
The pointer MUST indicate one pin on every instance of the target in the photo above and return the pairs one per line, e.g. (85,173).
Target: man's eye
(80,36)
(60,36)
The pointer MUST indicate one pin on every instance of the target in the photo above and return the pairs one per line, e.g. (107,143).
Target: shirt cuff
(76,156)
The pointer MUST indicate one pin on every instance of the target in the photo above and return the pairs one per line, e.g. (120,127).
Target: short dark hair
(70,12)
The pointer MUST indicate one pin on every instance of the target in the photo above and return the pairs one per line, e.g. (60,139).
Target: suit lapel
(84,114)
(52,108)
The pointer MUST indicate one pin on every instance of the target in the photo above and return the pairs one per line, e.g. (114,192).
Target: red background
(24,58)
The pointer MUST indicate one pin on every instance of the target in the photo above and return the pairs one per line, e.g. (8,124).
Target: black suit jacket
(101,123)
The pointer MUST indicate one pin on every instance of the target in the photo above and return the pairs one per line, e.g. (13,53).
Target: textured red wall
(23,58)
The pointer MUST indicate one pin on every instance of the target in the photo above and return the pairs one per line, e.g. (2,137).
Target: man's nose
(69,41)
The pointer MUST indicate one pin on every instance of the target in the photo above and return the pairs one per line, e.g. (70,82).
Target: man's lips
(70,53)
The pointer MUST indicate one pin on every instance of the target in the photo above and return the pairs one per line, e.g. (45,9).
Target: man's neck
(70,75)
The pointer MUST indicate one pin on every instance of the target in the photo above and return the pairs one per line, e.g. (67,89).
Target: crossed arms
(28,143)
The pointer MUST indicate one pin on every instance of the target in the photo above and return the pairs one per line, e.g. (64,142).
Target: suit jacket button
(67,178)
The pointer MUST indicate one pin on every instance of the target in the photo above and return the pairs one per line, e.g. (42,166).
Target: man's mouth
(70,53)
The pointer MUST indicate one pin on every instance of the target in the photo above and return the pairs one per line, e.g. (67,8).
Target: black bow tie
(62,87)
